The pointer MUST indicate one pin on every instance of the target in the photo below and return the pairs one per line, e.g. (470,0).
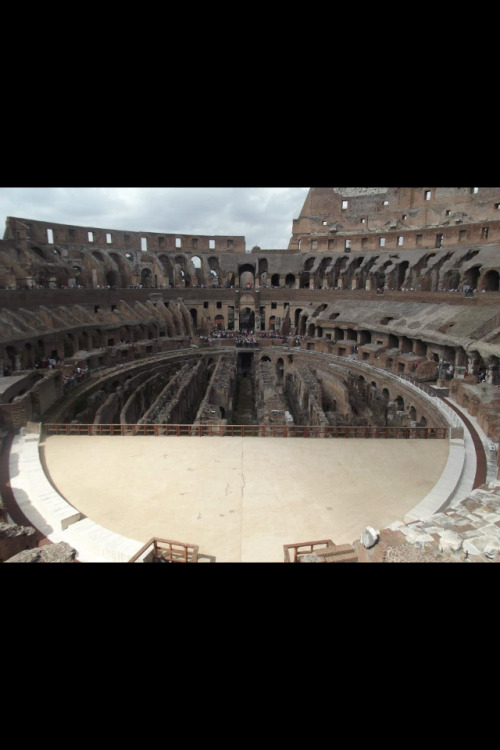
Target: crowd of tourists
(75,377)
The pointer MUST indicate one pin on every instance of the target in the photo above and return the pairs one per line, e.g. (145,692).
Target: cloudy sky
(262,215)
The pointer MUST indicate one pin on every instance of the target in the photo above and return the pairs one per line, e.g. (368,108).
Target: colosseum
(180,398)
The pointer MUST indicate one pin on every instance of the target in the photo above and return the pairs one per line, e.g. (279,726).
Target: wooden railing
(264,430)
(166,550)
(304,548)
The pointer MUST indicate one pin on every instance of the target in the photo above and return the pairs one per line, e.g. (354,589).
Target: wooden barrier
(265,430)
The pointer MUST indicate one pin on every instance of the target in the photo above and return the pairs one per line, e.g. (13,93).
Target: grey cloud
(262,215)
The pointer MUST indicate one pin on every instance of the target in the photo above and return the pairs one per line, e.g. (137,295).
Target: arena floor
(242,499)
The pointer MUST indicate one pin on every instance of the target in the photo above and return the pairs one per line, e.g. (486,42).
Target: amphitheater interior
(369,346)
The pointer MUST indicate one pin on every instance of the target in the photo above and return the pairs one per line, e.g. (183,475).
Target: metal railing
(264,430)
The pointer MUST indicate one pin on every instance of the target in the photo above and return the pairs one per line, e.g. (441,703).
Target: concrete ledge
(442,492)
(53,516)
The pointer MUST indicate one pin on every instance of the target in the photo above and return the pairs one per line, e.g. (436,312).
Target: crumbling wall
(271,403)
(217,406)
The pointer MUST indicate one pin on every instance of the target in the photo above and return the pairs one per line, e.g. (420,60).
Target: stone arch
(275,279)
(400,404)
(280,369)
(305,280)
(146,277)
(471,276)
(302,324)
(451,279)
(490,281)
(112,278)
(290,281)
(402,271)
(167,268)
(247,276)
(219,322)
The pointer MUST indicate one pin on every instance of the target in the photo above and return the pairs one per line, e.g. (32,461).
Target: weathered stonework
(14,539)
(50,553)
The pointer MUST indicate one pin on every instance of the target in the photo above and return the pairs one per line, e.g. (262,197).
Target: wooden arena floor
(242,499)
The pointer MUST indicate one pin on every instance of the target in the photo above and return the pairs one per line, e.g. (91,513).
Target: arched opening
(146,277)
(167,269)
(265,359)
(280,369)
(263,266)
(400,404)
(247,276)
(402,269)
(310,329)
(490,281)
(413,414)
(305,278)
(247,319)
(365,337)
(471,276)
(451,280)
(290,281)
(275,279)
(385,394)
(272,321)
(423,422)
(111,278)
(194,315)
(219,322)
